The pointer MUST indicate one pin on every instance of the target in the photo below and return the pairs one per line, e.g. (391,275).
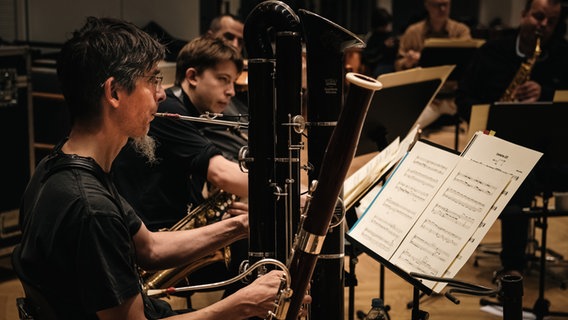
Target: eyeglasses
(155,80)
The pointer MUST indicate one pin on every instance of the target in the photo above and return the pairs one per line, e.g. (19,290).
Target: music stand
(417,284)
(458,52)
(441,51)
(395,108)
(539,126)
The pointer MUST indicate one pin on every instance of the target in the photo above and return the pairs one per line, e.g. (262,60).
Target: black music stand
(416,283)
(541,127)
(395,108)
(439,52)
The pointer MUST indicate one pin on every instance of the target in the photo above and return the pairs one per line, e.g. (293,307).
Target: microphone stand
(510,289)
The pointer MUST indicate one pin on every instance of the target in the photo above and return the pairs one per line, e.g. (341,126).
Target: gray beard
(146,146)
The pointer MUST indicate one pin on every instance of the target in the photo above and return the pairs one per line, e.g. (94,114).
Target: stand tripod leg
(418,314)
(541,306)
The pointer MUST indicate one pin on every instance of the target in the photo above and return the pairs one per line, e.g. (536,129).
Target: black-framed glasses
(155,80)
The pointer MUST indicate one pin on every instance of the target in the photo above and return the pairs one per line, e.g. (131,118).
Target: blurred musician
(497,61)
(379,54)
(436,25)
(82,242)
(491,72)
(230,28)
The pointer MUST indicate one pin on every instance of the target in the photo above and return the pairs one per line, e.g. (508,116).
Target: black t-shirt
(161,192)
(77,238)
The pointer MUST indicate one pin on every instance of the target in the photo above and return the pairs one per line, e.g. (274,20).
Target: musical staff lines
(414,193)
(430,165)
(421,178)
(463,200)
(459,219)
(474,183)
(436,207)
(382,233)
(442,234)
(422,256)
(399,209)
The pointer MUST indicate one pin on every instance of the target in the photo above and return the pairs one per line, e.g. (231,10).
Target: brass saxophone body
(210,211)
(522,75)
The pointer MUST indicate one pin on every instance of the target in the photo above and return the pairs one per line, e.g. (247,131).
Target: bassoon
(325,46)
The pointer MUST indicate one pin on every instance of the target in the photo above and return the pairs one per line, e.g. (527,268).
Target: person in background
(190,167)
(496,62)
(380,51)
(437,24)
(228,27)
(485,81)
(82,242)
(206,70)
(230,140)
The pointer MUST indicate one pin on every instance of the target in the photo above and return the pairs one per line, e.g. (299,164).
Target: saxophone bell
(210,211)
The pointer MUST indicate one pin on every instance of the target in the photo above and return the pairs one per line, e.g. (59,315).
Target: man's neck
(437,25)
(103,148)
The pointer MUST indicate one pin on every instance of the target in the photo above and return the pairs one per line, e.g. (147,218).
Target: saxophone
(522,75)
(210,211)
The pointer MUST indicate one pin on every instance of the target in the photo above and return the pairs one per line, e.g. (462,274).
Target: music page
(450,219)
(503,156)
(403,198)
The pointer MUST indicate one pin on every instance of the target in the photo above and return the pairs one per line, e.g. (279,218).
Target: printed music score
(437,205)
(502,156)
(365,178)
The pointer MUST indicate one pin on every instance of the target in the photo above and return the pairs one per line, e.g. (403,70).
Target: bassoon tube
(336,162)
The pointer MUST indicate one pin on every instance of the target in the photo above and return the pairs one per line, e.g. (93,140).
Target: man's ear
(191,76)
(109,91)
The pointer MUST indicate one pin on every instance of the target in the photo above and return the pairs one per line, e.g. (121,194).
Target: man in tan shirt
(437,25)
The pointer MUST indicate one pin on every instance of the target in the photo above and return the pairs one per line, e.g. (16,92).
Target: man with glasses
(185,159)
(82,242)
(188,167)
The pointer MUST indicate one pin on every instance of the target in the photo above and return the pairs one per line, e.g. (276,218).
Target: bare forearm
(228,176)
(169,249)
(255,300)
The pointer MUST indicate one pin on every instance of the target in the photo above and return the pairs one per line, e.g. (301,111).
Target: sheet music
(503,156)
(450,219)
(403,148)
(367,174)
(393,212)
(436,207)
